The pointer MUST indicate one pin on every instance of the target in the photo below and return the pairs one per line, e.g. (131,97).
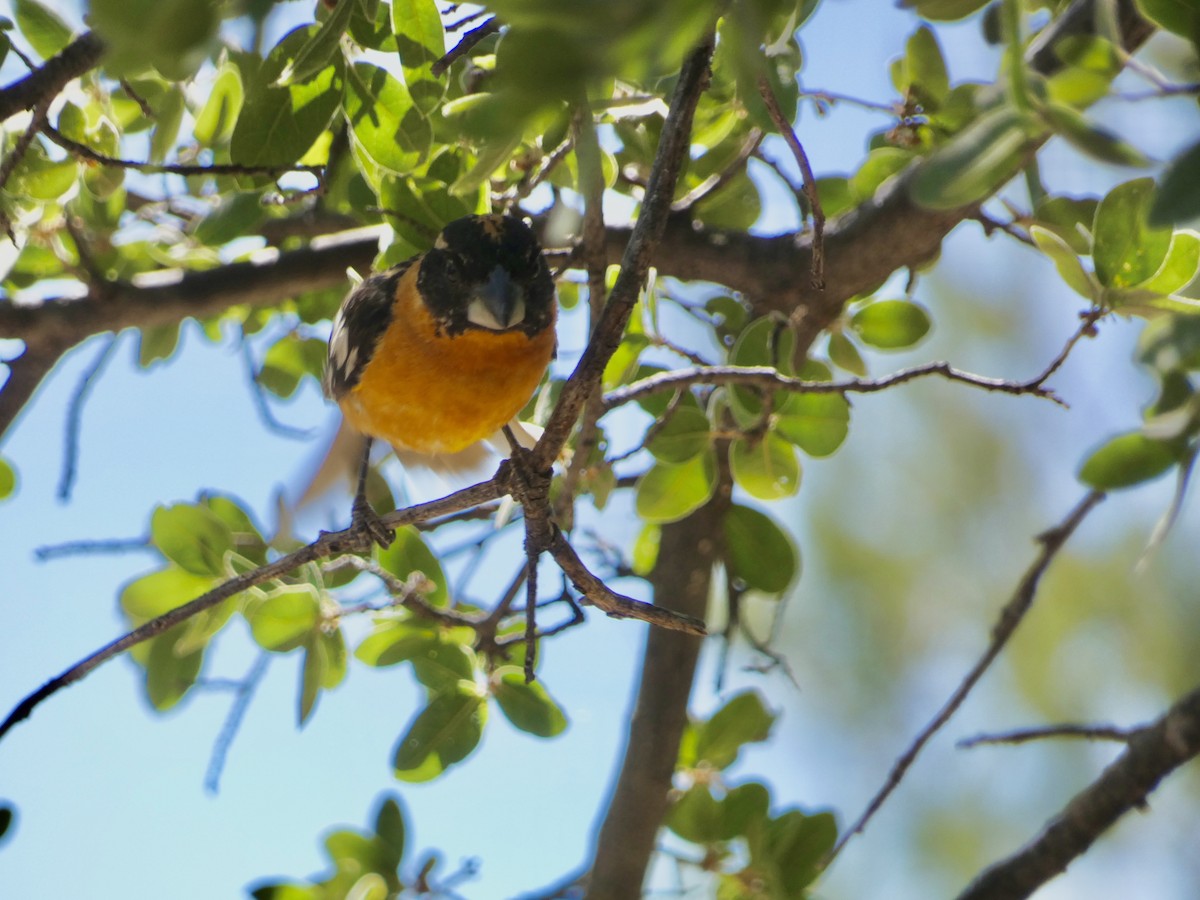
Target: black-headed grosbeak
(441,351)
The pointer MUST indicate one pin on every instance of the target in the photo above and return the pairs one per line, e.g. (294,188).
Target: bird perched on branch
(440,352)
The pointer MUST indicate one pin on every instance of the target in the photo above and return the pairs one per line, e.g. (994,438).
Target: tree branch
(682,577)
(44,84)
(1153,753)
(1014,611)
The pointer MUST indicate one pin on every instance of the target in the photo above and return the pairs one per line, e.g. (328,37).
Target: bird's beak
(497,304)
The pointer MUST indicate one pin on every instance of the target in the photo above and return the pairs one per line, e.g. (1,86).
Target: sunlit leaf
(321,47)
(8,479)
(890,324)
(667,493)
(383,121)
(816,423)
(765,468)
(1087,137)
(528,706)
(1069,266)
(149,596)
(283,620)
(744,719)
(443,733)
(420,42)
(1127,460)
(43,28)
(278,123)
(216,118)
(192,537)
(1126,249)
(409,553)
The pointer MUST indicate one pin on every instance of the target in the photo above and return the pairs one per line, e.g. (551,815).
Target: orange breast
(436,394)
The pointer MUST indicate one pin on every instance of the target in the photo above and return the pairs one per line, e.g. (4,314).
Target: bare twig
(810,182)
(1014,611)
(635,262)
(86,152)
(265,414)
(1024,735)
(768,378)
(466,44)
(243,694)
(718,180)
(87,381)
(1153,752)
(80,548)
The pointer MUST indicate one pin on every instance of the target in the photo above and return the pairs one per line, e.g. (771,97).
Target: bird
(437,354)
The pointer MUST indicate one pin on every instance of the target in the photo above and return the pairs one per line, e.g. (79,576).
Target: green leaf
(443,733)
(8,479)
(409,553)
(796,843)
(217,117)
(1125,248)
(529,706)
(1069,266)
(816,423)
(944,10)
(685,435)
(8,816)
(766,468)
(745,807)
(391,831)
(324,668)
(45,31)
(279,123)
(289,360)
(696,816)
(758,551)
(622,366)
(284,619)
(235,215)
(1071,218)
(844,355)
(394,641)
(321,48)
(975,164)
(1178,196)
(645,550)
(384,123)
(192,537)
(169,111)
(1182,17)
(667,493)
(926,67)
(744,719)
(169,673)
(157,343)
(443,662)
(420,41)
(173,36)
(312,673)
(1126,460)
(159,592)
(880,165)
(1087,137)
(1181,266)
(890,324)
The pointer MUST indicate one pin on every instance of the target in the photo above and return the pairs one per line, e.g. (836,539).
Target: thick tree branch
(44,84)
(682,579)
(1153,753)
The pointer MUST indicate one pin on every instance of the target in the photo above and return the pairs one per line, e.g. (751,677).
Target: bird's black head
(487,272)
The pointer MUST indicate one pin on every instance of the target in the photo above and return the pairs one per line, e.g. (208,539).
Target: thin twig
(86,152)
(466,44)
(769,378)
(1023,735)
(1010,617)
(718,180)
(233,720)
(647,233)
(1152,754)
(66,480)
(810,182)
(80,548)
